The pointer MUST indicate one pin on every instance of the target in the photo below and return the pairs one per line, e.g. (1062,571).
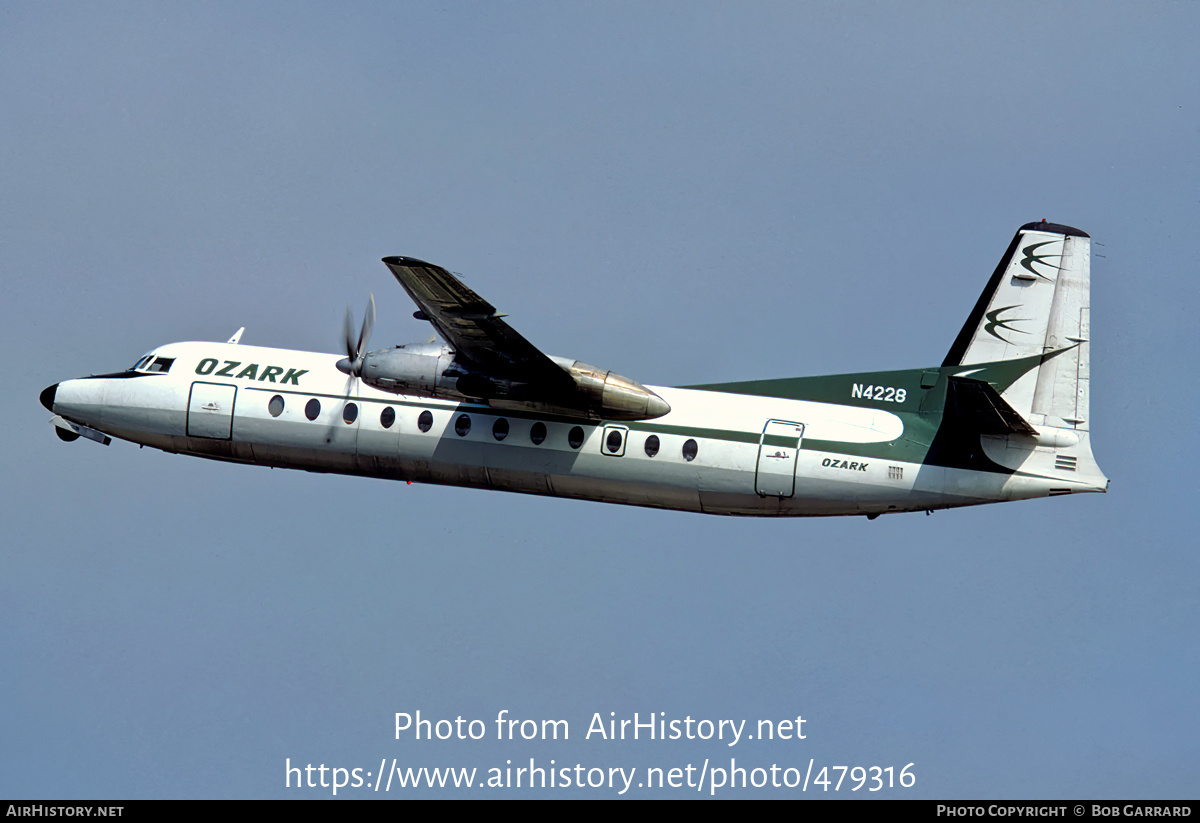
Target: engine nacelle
(612,396)
(420,369)
(431,370)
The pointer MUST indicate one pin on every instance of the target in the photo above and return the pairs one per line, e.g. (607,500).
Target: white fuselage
(714,452)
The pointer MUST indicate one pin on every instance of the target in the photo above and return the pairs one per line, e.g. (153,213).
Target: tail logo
(1031,258)
(995,321)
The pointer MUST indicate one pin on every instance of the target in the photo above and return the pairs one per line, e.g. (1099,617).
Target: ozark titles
(250,372)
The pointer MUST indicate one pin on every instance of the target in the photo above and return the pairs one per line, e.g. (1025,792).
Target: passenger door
(210,411)
(775,472)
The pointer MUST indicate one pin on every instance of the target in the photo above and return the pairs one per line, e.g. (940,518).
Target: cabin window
(537,433)
(575,437)
(613,441)
(500,428)
(690,450)
(425,421)
(462,425)
(652,445)
(349,413)
(312,409)
(387,417)
(275,407)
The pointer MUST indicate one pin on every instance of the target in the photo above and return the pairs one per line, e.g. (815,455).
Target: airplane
(1004,417)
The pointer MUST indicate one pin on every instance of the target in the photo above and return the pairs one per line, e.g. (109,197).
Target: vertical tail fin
(1036,305)
(1018,371)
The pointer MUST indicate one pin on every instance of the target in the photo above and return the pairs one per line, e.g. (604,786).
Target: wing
(510,371)
(470,325)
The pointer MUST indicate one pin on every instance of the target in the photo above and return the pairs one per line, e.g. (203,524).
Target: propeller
(352,363)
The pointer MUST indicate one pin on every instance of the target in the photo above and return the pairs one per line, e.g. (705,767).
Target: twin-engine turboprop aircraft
(1004,417)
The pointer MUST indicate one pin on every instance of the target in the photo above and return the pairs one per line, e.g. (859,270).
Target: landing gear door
(775,474)
(210,411)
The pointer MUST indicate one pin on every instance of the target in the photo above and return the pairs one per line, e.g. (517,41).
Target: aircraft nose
(47,397)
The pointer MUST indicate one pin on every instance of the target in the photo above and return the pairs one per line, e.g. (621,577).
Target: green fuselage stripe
(912,447)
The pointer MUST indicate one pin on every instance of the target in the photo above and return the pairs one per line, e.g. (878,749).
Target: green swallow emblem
(997,322)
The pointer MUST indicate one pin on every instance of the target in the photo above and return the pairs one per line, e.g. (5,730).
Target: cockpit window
(153,365)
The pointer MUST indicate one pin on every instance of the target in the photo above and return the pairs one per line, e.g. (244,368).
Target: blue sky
(681,192)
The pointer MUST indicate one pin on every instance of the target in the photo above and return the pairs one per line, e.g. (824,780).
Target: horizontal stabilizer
(976,406)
